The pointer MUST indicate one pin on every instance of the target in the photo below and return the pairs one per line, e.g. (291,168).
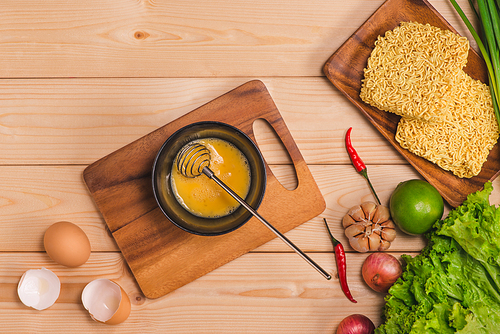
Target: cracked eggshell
(106,301)
(67,244)
(39,288)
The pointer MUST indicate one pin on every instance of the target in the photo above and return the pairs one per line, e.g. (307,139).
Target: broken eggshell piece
(39,288)
(106,301)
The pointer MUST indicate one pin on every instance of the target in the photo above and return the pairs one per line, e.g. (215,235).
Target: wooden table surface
(81,79)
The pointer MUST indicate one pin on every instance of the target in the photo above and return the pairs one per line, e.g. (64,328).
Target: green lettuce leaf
(475,225)
(452,286)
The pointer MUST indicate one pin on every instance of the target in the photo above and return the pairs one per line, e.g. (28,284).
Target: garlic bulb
(369,227)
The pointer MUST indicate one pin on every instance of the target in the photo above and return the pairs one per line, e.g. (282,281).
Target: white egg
(39,288)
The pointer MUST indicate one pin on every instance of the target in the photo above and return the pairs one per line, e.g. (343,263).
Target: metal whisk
(194,159)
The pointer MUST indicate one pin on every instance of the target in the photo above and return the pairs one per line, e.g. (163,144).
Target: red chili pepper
(341,264)
(357,162)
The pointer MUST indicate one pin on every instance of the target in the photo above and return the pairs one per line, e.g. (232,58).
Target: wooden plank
(187,38)
(77,121)
(29,207)
(257,293)
(35,197)
(342,189)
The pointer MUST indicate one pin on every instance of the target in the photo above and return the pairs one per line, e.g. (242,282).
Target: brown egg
(67,244)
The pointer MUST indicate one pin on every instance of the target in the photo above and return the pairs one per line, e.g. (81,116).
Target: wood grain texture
(161,38)
(345,70)
(270,293)
(27,211)
(81,79)
(77,121)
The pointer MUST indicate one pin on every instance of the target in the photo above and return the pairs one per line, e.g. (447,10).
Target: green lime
(415,206)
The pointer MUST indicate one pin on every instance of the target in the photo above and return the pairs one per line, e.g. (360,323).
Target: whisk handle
(208,172)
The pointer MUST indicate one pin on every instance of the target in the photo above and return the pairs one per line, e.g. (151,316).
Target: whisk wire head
(192,158)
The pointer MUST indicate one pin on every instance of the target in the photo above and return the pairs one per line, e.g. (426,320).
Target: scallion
(489,46)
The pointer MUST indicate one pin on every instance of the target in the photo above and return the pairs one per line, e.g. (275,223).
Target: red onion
(381,270)
(356,324)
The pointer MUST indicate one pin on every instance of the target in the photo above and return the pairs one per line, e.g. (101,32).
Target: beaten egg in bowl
(202,196)
(199,205)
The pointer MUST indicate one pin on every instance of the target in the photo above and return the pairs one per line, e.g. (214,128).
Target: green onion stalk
(489,45)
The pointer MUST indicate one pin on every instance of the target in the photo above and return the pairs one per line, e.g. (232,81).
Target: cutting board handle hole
(275,154)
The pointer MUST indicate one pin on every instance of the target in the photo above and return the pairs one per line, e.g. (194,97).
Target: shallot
(380,271)
(356,324)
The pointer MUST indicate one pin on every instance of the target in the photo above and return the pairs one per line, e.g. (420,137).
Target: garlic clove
(388,234)
(369,209)
(356,213)
(347,221)
(389,224)
(381,215)
(354,230)
(384,245)
(360,244)
(374,242)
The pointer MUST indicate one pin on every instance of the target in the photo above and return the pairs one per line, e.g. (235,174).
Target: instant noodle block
(462,143)
(415,71)
(412,69)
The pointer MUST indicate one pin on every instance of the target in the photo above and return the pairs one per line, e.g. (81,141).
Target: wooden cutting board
(163,257)
(345,70)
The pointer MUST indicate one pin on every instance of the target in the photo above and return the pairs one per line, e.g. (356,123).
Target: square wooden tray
(345,70)
(163,257)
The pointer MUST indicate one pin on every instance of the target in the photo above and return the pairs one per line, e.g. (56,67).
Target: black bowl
(166,198)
